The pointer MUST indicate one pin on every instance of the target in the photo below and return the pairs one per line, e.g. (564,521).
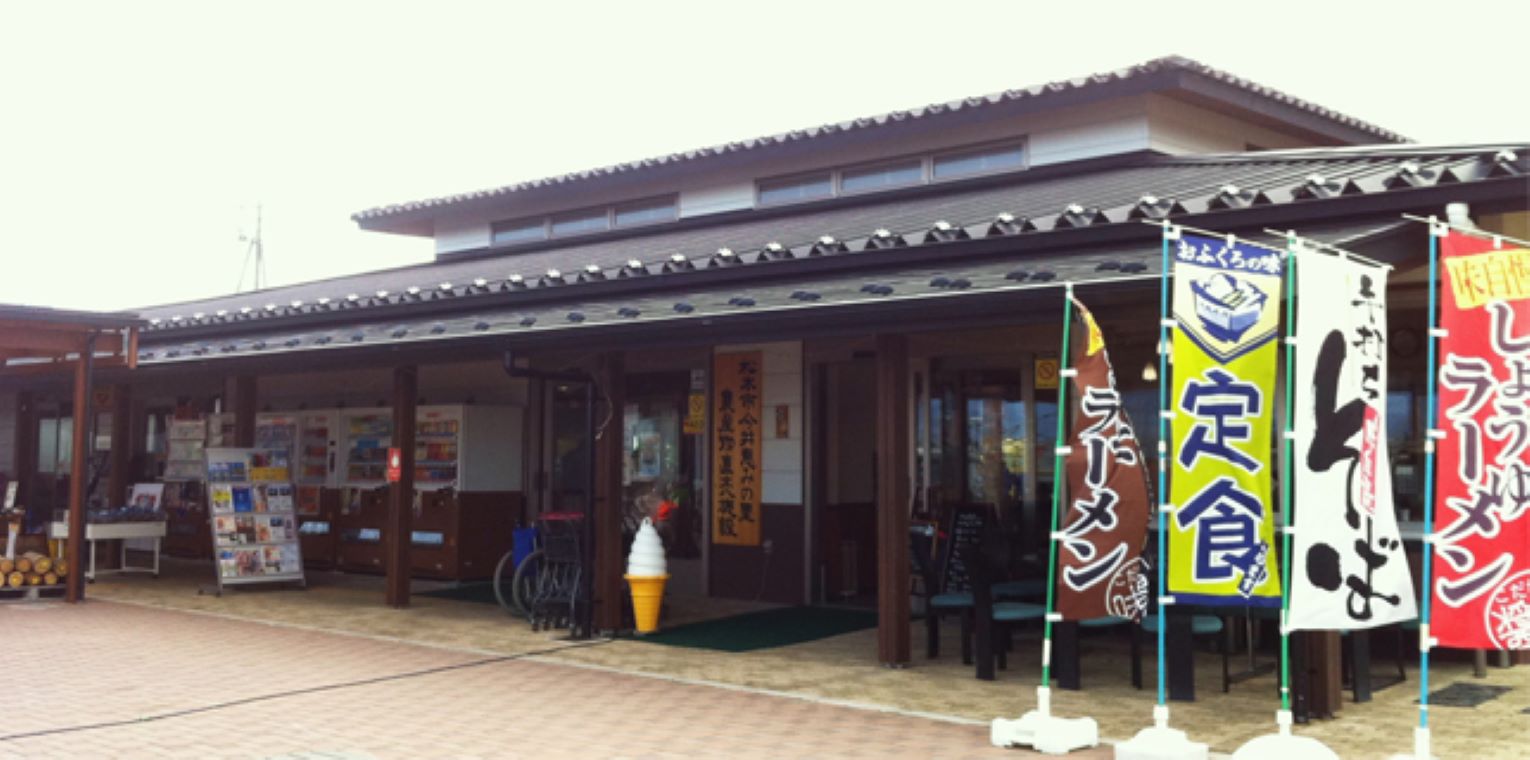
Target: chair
(1200,625)
(1008,614)
(938,602)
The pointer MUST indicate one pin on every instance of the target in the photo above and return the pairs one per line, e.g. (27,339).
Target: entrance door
(981,445)
(566,449)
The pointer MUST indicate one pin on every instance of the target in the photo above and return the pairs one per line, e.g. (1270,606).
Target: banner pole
(1288,437)
(1158,741)
(1039,728)
(1421,735)
(1161,715)
(1059,462)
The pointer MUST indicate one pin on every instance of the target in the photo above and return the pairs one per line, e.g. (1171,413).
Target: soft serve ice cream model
(647,571)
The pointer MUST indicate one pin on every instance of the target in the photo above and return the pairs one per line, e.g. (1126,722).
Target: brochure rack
(253,509)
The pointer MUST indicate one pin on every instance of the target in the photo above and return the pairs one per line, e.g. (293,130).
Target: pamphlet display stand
(254,517)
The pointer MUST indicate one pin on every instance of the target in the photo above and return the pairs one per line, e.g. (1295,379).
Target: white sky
(136,138)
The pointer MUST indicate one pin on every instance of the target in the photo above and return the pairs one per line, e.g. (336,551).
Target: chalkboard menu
(964,546)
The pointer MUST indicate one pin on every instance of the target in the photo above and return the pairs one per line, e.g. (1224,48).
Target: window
(650,211)
(519,231)
(982,161)
(882,177)
(796,189)
(581,222)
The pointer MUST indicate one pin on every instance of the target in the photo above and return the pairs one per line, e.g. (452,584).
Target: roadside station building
(879,298)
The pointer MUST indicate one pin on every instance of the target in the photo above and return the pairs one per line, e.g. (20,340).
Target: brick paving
(112,680)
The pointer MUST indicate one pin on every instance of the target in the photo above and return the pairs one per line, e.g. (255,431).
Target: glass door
(981,445)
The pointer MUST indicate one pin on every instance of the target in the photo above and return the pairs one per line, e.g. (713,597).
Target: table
(94,532)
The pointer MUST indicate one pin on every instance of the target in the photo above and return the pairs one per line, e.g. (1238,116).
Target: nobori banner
(1348,568)
(1481,593)
(1221,534)
(1102,571)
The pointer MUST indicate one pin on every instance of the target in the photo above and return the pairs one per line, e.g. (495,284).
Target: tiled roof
(1170,63)
(914,288)
(1024,209)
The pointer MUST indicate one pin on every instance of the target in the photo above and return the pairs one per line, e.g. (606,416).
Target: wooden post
(122,445)
(397,532)
(74,590)
(892,463)
(244,411)
(610,388)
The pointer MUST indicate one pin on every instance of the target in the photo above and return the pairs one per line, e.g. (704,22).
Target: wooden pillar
(610,398)
(122,445)
(892,461)
(75,587)
(397,532)
(243,405)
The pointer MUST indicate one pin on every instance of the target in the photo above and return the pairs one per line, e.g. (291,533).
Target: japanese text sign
(1481,593)
(1101,569)
(1221,533)
(1348,569)
(737,406)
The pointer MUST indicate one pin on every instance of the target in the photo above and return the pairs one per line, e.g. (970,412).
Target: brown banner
(1101,570)
(737,406)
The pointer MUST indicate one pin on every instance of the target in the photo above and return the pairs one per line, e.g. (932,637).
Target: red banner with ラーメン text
(1481,589)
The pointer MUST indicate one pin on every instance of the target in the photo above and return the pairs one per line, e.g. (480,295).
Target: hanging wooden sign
(737,405)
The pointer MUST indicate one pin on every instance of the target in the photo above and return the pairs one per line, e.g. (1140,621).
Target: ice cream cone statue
(647,572)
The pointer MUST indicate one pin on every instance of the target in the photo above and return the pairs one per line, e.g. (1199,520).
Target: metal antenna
(254,250)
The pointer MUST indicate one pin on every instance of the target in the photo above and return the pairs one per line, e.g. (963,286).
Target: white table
(110,532)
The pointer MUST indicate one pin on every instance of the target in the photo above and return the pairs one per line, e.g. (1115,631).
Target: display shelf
(255,531)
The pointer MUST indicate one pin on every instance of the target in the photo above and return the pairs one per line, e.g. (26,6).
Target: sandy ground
(844,668)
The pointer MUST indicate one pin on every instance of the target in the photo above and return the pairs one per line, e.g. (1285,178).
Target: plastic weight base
(1044,732)
(1284,745)
(1160,742)
(1421,750)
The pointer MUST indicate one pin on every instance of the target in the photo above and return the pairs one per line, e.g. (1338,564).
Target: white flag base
(1161,742)
(1420,747)
(1044,732)
(1284,745)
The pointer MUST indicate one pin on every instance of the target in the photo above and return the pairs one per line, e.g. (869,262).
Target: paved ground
(844,668)
(114,680)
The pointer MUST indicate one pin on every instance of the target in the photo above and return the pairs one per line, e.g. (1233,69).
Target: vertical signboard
(1102,571)
(1348,569)
(1481,593)
(737,407)
(1221,534)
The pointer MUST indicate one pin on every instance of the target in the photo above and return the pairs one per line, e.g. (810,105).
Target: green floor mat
(482,593)
(765,629)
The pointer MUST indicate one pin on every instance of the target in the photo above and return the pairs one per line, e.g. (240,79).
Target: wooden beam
(893,470)
(610,379)
(59,366)
(398,531)
(74,590)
